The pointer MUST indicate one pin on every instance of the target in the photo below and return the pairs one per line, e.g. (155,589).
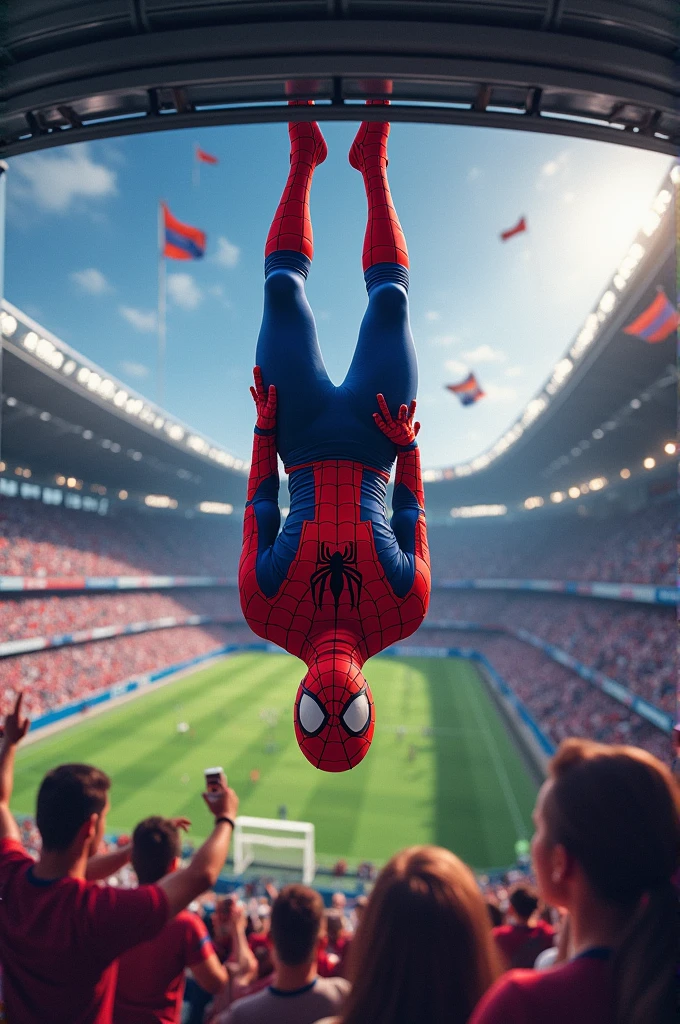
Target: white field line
(499,765)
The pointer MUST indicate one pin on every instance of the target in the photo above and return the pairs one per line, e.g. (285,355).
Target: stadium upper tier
(78,70)
(63,417)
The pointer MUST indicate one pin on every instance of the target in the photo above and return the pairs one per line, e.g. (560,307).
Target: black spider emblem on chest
(335,570)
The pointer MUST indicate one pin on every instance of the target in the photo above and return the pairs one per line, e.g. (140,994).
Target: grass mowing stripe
(498,763)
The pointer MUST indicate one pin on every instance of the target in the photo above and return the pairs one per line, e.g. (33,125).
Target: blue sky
(82,241)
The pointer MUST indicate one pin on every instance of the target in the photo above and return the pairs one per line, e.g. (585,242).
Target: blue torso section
(394,542)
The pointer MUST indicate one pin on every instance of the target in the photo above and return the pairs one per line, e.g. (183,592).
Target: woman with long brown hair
(424,949)
(607,844)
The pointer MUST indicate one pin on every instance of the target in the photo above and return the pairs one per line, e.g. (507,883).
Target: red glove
(265,402)
(402,430)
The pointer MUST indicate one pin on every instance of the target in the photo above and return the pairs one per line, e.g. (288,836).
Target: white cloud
(91,281)
(54,181)
(473,173)
(217,292)
(134,369)
(456,367)
(184,291)
(432,315)
(227,254)
(568,197)
(141,321)
(484,354)
(514,371)
(551,168)
(499,393)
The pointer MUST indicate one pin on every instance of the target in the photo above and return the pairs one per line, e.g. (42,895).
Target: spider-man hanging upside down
(340,582)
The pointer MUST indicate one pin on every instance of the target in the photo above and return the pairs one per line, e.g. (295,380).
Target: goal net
(273,834)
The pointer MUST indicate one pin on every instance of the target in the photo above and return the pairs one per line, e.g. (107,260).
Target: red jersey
(520,944)
(60,940)
(151,976)
(581,990)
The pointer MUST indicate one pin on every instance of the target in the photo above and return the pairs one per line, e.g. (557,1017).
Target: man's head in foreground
(73,802)
(156,849)
(297,921)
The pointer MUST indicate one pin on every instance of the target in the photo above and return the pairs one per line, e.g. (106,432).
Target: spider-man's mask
(334,714)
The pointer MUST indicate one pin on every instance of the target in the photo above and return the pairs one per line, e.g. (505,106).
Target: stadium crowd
(48,614)
(637,548)
(561,703)
(54,677)
(428,944)
(39,541)
(634,644)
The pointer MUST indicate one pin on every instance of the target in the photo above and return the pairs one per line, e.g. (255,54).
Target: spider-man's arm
(263,483)
(408,501)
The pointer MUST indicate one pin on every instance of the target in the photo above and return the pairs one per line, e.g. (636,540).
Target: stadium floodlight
(88,435)
(60,480)
(598,483)
(27,473)
(584,489)
(11,402)
(160,501)
(8,324)
(598,434)
(68,367)
(122,495)
(636,403)
(625,474)
(220,508)
(557,496)
(574,492)
(71,481)
(30,341)
(535,502)
(477,511)
(669,448)
(649,462)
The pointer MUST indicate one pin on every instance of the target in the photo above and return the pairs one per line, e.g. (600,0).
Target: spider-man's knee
(284,288)
(389,301)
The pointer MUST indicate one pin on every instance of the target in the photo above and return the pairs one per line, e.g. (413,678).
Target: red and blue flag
(180,241)
(656,322)
(468,390)
(205,158)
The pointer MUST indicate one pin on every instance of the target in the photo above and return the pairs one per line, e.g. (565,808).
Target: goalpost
(276,834)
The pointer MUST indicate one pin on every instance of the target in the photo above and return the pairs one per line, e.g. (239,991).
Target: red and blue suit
(340,582)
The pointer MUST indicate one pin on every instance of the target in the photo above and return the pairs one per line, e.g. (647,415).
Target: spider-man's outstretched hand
(265,402)
(402,430)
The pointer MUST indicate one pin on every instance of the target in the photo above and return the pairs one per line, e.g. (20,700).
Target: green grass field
(466,788)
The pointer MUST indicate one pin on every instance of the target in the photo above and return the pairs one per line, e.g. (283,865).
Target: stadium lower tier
(52,678)
(560,702)
(633,644)
(41,541)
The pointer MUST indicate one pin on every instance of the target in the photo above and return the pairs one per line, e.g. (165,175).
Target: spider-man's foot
(384,241)
(292,226)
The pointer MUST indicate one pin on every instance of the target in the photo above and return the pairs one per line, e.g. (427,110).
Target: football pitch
(441,769)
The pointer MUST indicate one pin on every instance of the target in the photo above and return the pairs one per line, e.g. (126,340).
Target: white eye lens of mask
(357,714)
(310,714)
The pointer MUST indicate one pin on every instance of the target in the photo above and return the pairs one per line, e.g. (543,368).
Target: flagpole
(160,376)
(197,169)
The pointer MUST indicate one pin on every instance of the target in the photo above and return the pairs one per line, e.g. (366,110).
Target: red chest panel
(336,584)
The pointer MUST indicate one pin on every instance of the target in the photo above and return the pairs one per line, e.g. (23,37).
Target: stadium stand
(634,548)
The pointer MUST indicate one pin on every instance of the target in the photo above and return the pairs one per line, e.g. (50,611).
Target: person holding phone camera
(61,934)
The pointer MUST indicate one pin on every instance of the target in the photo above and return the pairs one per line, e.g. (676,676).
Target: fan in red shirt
(518,941)
(151,976)
(60,933)
(606,846)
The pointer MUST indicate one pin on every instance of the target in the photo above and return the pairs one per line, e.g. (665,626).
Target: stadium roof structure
(610,401)
(87,69)
(63,414)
